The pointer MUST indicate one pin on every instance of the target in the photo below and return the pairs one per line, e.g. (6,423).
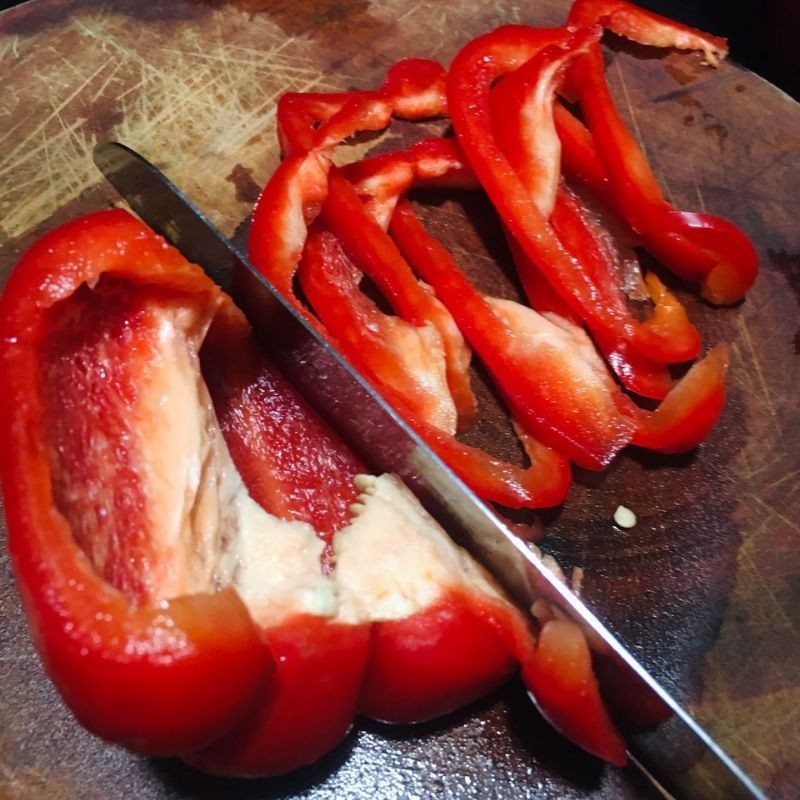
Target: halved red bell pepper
(131,661)
(123,492)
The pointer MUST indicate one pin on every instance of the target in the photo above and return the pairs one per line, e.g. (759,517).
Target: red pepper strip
(368,245)
(472,75)
(287,206)
(697,247)
(299,114)
(637,373)
(434,163)
(580,161)
(328,281)
(560,672)
(551,377)
(414,88)
(668,320)
(690,410)
(606,422)
(645,27)
(522,117)
(392,352)
(146,676)
(529,140)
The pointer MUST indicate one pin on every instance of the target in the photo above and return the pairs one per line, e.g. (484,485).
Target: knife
(678,757)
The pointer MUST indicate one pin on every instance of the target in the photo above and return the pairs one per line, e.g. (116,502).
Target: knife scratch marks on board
(631,112)
(409,12)
(159,90)
(766,394)
(699,194)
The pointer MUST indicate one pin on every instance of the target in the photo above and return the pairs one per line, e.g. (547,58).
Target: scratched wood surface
(706,588)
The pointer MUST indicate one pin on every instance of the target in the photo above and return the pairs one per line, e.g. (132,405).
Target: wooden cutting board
(706,588)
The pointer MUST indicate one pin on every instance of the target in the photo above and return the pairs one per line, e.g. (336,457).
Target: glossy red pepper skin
(700,248)
(330,283)
(560,395)
(561,671)
(131,673)
(461,658)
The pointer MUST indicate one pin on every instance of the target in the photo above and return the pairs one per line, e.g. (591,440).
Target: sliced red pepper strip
(560,672)
(414,88)
(529,139)
(686,416)
(637,373)
(646,27)
(551,378)
(470,81)
(431,163)
(292,198)
(132,673)
(392,352)
(580,161)
(668,321)
(697,247)
(330,282)
(368,246)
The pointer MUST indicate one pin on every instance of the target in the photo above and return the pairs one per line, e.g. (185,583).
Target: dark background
(763,34)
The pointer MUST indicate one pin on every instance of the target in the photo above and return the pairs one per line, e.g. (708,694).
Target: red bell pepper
(700,248)
(690,419)
(367,244)
(157,582)
(309,129)
(589,419)
(523,127)
(132,657)
(636,373)
(277,251)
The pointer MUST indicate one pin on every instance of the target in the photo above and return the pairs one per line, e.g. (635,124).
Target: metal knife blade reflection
(678,756)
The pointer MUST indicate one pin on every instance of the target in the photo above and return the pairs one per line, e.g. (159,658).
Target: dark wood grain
(706,588)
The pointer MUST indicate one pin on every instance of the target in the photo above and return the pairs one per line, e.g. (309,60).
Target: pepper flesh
(131,673)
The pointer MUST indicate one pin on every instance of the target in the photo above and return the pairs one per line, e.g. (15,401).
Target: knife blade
(678,757)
